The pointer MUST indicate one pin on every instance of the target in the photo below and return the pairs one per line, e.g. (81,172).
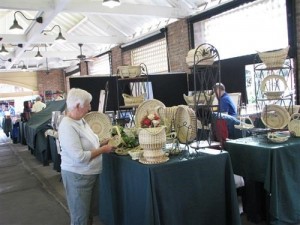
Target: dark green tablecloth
(278,166)
(55,157)
(35,129)
(191,192)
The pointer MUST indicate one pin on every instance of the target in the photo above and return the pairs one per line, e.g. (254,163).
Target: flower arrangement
(150,120)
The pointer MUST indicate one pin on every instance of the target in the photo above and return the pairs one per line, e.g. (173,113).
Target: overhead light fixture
(3,51)
(111,3)
(4,60)
(19,45)
(16,24)
(60,37)
(24,67)
(38,54)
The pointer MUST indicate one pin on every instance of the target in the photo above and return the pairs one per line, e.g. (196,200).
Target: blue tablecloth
(190,192)
(277,166)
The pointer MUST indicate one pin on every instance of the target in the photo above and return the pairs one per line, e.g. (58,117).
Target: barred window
(261,26)
(100,66)
(153,55)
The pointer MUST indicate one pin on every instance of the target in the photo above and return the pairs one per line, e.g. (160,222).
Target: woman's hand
(104,141)
(101,150)
(107,148)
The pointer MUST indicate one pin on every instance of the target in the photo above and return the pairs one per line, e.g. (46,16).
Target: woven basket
(99,123)
(129,71)
(152,138)
(274,58)
(167,115)
(201,98)
(130,100)
(199,57)
(116,140)
(145,108)
(185,124)
(271,95)
(294,125)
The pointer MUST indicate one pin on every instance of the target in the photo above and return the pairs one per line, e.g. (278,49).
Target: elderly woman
(81,157)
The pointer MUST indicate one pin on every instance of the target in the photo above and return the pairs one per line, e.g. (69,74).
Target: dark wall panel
(93,85)
(233,74)
(168,88)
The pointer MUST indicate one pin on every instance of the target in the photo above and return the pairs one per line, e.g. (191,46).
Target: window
(100,66)
(257,26)
(251,81)
(153,55)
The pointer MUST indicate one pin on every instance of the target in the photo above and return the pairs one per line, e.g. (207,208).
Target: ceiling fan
(81,56)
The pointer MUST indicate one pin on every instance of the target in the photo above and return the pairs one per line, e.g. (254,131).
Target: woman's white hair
(78,96)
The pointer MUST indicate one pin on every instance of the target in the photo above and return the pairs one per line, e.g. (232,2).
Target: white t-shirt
(77,140)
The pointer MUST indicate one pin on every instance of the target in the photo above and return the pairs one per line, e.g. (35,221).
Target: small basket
(271,95)
(201,98)
(116,140)
(130,100)
(129,71)
(274,58)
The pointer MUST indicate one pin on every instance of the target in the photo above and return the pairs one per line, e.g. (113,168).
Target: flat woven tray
(275,116)
(100,124)
(185,124)
(145,108)
(273,83)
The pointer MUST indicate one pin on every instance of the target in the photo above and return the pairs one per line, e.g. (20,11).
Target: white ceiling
(98,27)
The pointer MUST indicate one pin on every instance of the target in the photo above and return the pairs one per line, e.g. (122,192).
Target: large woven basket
(152,138)
(294,125)
(130,100)
(129,71)
(167,116)
(201,57)
(145,108)
(185,124)
(274,58)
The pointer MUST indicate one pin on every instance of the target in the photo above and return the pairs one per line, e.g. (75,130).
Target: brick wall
(116,60)
(178,45)
(126,58)
(53,81)
(178,42)
(83,66)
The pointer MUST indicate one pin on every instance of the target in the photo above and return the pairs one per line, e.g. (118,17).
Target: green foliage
(130,140)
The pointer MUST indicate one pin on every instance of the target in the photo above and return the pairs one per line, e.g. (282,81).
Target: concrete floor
(33,194)
(30,193)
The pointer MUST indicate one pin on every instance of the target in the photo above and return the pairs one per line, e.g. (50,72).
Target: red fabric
(221,131)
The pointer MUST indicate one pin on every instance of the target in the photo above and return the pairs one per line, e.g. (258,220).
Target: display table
(194,191)
(56,159)
(277,166)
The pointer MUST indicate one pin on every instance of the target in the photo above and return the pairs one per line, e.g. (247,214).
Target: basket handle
(117,129)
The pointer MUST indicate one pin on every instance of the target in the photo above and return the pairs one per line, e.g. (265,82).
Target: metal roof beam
(127,9)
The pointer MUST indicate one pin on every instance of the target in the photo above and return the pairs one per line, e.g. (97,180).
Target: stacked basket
(274,58)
